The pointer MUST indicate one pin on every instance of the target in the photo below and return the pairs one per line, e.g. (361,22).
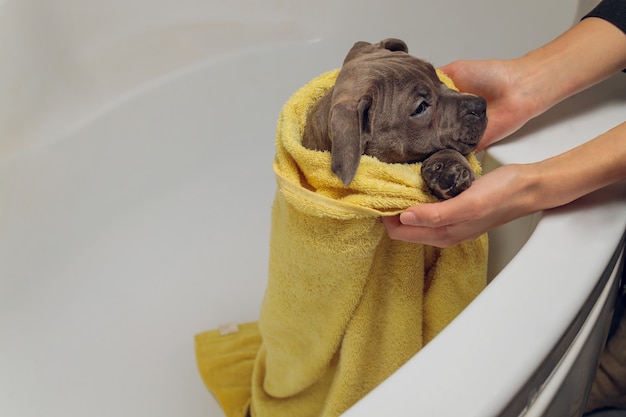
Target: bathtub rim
(551,229)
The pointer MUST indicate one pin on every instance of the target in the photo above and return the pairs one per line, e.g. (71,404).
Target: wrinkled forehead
(386,69)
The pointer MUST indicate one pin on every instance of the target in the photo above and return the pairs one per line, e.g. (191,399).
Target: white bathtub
(136,141)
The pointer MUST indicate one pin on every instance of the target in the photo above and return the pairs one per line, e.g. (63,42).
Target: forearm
(561,179)
(516,91)
(588,53)
(513,191)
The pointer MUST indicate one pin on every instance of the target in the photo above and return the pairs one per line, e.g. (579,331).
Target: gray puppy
(392,106)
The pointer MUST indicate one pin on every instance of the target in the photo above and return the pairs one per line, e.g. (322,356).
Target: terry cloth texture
(345,305)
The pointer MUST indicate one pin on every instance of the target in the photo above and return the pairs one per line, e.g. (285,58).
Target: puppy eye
(422,106)
(438,166)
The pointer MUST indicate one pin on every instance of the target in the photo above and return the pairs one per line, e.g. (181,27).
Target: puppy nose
(474,106)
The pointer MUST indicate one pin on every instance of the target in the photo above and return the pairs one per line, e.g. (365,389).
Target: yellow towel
(225,359)
(345,305)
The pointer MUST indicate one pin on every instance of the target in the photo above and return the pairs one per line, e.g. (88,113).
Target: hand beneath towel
(517,90)
(470,214)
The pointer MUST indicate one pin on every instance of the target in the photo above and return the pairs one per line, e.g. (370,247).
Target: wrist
(536,84)
(554,182)
(586,54)
(531,188)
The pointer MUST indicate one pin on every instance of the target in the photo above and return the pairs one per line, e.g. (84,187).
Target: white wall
(63,59)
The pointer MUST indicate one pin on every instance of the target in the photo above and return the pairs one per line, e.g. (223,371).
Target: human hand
(516,91)
(493,199)
(509,105)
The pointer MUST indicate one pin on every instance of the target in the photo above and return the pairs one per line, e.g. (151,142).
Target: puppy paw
(447,174)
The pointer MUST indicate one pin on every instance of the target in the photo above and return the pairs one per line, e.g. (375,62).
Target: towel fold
(345,305)
(225,360)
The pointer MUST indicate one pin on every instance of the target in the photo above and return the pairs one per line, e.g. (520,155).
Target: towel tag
(228,328)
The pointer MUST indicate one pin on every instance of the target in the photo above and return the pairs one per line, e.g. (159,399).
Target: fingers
(442,224)
(493,199)
(439,214)
(433,236)
(435,224)
(449,69)
(490,137)
(456,71)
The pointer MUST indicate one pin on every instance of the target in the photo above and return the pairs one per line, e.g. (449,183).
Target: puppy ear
(357,49)
(349,125)
(391,44)
(394,45)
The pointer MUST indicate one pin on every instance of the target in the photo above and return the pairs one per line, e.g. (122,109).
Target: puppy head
(391,105)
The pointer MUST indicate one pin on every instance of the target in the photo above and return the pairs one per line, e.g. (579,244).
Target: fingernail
(407,218)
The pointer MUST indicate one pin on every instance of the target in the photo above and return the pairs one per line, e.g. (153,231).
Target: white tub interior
(136,188)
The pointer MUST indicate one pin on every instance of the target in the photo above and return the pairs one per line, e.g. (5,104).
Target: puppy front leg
(447,173)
